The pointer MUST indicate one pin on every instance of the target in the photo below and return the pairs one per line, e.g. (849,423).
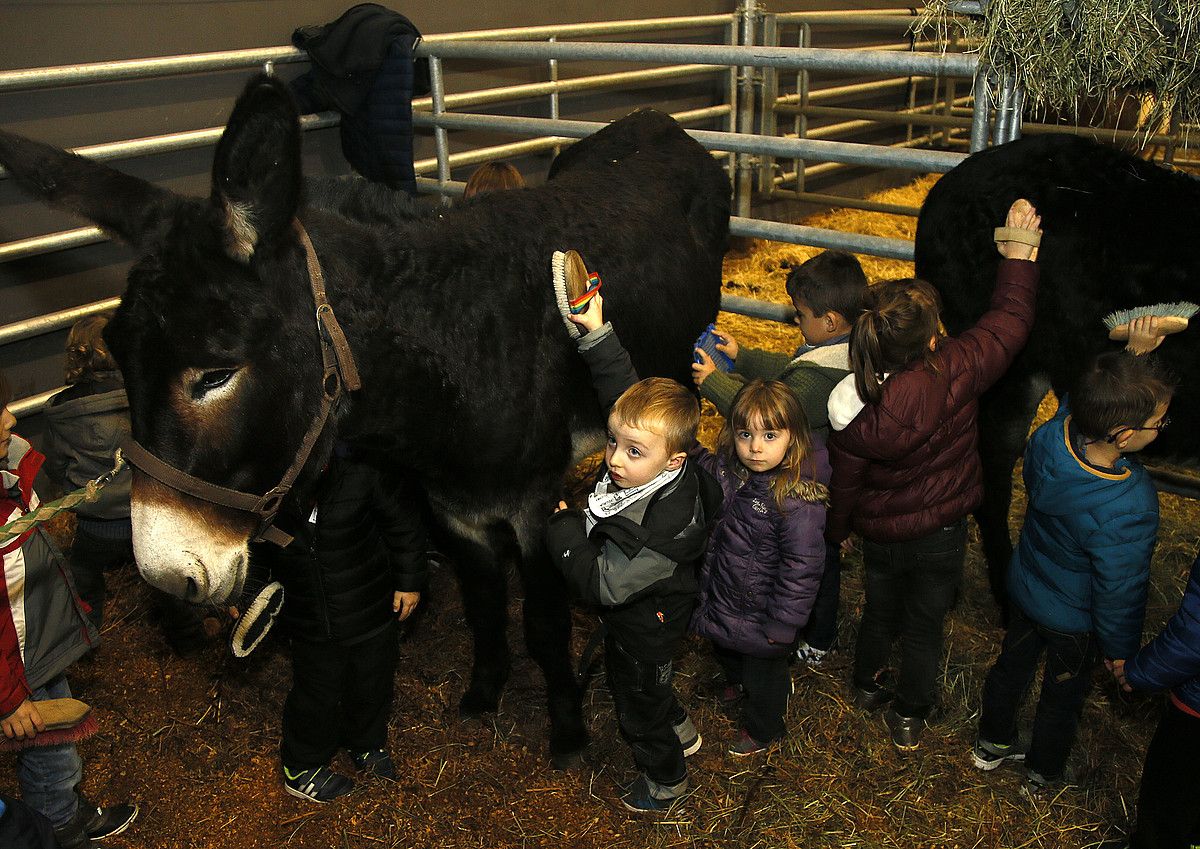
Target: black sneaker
(988,756)
(99,823)
(871,699)
(376,762)
(1039,788)
(317,785)
(906,730)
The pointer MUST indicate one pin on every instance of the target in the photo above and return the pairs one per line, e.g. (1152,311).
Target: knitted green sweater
(810,376)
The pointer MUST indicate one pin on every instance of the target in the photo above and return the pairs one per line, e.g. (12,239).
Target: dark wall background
(38,33)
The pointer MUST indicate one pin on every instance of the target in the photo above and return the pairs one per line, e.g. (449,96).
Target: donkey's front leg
(547,620)
(484,590)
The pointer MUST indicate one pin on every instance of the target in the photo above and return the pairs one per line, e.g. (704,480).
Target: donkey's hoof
(567,760)
(476,703)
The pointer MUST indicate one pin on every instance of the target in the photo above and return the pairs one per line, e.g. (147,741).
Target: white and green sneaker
(318,785)
(988,756)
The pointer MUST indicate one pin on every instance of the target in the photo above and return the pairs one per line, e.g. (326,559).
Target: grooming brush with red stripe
(67,721)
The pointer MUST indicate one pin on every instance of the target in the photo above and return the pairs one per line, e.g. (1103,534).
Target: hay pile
(1061,50)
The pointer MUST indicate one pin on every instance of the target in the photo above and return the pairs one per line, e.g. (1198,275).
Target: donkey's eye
(213,379)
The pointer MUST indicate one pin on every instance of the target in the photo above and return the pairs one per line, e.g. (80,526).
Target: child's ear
(676,461)
(1122,438)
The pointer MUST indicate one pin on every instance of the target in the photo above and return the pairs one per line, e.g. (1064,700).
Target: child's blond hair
(775,407)
(663,406)
(86,351)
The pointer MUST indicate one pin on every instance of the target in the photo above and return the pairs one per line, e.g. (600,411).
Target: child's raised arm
(612,370)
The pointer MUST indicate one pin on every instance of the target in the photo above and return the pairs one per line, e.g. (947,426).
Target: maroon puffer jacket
(910,464)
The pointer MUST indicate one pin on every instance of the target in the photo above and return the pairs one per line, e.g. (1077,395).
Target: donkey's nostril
(192,591)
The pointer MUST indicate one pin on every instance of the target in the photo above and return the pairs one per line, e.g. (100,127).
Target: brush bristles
(55,737)
(1179,309)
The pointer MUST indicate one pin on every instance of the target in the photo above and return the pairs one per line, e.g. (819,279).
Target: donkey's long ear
(256,172)
(126,206)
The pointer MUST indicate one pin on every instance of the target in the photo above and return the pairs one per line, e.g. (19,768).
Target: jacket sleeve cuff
(14,698)
(564,531)
(595,337)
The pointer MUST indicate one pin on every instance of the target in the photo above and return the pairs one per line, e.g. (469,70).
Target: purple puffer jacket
(764,565)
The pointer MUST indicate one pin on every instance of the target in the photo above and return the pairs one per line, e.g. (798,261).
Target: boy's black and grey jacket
(629,569)
(643,560)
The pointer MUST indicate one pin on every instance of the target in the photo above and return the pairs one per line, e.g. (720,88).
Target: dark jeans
(646,708)
(821,630)
(1168,816)
(910,587)
(767,682)
(341,696)
(1065,684)
(49,775)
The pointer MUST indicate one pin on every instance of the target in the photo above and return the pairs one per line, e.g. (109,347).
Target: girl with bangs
(766,555)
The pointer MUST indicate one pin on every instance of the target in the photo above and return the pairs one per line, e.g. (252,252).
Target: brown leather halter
(340,374)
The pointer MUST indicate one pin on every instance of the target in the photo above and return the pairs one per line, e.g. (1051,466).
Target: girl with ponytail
(906,467)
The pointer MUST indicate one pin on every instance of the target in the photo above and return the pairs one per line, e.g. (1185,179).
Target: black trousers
(910,587)
(341,697)
(767,682)
(1168,811)
(646,709)
(1070,659)
(821,630)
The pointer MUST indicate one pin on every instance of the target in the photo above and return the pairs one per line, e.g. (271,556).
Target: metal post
(766,167)
(951,93)
(803,92)
(439,133)
(731,38)
(1018,108)
(1003,109)
(748,12)
(554,93)
(981,112)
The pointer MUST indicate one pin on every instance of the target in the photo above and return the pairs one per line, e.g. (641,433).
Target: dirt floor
(194,740)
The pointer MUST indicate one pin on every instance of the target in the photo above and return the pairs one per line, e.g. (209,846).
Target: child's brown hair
(1117,390)
(86,351)
(901,317)
(661,405)
(775,407)
(832,281)
(492,177)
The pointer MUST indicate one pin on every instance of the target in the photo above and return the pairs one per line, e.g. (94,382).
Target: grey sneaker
(987,756)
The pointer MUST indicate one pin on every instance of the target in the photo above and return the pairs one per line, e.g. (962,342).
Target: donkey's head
(215,334)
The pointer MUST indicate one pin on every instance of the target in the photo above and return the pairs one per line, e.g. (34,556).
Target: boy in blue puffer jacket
(1078,577)
(1167,812)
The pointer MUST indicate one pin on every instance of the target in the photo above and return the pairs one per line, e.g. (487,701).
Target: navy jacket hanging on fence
(362,66)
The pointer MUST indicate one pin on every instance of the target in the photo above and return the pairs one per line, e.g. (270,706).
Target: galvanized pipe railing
(231,60)
(812,58)
(855,154)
